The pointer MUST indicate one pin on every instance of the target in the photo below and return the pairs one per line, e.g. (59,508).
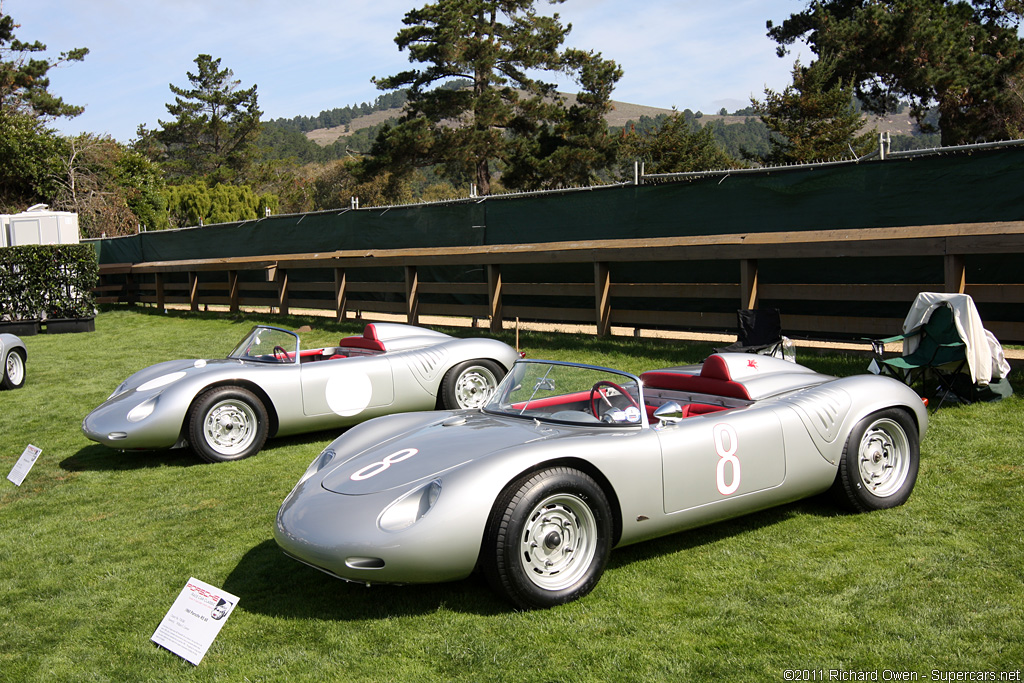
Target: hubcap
(15,368)
(884,458)
(474,387)
(559,542)
(230,427)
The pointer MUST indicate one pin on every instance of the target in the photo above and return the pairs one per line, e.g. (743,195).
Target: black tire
(13,370)
(469,384)
(548,539)
(227,423)
(879,465)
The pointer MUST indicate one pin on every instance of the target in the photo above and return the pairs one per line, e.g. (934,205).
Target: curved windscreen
(268,345)
(570,393)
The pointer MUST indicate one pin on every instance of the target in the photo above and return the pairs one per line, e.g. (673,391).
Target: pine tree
(474,104)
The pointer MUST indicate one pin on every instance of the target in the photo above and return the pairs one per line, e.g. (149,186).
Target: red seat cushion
(369,340)
(714,379)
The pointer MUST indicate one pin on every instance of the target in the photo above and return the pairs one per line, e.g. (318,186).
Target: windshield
(567,392)
(268,345)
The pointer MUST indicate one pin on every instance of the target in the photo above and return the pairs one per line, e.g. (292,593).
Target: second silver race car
(269,386)
(567,461)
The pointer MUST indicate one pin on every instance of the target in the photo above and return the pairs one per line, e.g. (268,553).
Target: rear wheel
(227,423)
(548,539)
(879,465)
(470,384)
(14,370)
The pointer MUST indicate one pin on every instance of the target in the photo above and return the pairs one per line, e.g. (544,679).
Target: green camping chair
(940,355)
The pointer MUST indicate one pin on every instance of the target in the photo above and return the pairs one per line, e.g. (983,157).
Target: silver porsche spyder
(567,461)
(269,386)
(13,353)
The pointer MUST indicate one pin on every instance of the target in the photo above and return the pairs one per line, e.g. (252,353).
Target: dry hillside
(622,113)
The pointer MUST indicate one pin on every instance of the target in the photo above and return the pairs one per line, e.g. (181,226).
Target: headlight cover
(319,462)
(410,508)
(143,410)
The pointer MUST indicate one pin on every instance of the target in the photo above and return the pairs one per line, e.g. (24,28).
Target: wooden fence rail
(282,282)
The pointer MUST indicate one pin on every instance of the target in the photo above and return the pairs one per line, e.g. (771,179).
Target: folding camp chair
(940,355)
(759,331)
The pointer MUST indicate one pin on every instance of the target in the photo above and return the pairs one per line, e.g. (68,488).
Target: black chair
(759,331)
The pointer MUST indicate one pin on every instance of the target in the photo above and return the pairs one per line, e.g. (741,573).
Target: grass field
(96,544)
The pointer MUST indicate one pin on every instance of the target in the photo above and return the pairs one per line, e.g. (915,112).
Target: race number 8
(376,468)
(727,454)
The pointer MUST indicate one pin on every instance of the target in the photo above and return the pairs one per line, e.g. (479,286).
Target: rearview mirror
(669,413)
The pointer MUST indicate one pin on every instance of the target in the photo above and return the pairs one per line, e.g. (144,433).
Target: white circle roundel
(348,392)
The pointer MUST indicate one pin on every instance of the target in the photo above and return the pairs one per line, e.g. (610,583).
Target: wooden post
(340,295)
(282,290)
(193,290)
(494,296)
(603,297)
(161,302)
(233,293)
(956,274)
(748,283)
(412,295)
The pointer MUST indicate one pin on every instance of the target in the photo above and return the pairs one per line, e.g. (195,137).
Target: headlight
(321,461)
(410,508)
(143,410)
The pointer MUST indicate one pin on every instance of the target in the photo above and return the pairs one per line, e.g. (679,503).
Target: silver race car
(567,461)
(269,386)
(13,353)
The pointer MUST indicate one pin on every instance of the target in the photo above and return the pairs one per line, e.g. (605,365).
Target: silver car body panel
(660,478)
(311,390)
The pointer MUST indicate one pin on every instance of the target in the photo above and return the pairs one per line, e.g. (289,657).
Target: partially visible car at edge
(14,355)
(567,461)
(225,409)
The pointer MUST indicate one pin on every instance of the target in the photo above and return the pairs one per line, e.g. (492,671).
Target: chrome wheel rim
(474,387)
(884,458)
(230,427)
(15,368)
(559,542)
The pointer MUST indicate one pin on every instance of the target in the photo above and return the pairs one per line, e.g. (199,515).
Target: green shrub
(47,281)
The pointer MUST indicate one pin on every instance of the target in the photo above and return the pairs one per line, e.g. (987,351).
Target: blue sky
(312,55)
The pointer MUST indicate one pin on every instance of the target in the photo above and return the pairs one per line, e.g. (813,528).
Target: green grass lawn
(96,544)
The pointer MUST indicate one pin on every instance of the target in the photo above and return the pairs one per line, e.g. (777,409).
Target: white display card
(24,464)
(194,620)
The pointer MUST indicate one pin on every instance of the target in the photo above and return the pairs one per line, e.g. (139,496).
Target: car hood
(428,450)
(168,368)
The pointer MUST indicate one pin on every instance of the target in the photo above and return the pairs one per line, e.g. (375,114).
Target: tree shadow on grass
(271,583)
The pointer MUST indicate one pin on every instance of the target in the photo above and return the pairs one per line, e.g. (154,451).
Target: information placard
(194,620)
(24,464)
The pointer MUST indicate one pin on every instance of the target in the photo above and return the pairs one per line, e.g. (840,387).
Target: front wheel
(879,465)
(470,384)
(14,370)
(227,423)
(548,539)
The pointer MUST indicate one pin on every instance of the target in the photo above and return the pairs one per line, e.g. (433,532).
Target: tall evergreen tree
(961,57)
(215,128)
(494,45)
(811,120)
(23,82)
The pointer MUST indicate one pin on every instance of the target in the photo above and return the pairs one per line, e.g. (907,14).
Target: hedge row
(47,281)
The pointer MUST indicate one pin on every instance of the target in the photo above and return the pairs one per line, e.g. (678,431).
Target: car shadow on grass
(96,457)
(271,583)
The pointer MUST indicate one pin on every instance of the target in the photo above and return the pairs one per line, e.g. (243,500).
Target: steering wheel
(596,389)
(281,354)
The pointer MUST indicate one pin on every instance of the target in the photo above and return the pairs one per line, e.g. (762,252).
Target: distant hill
(622,113)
